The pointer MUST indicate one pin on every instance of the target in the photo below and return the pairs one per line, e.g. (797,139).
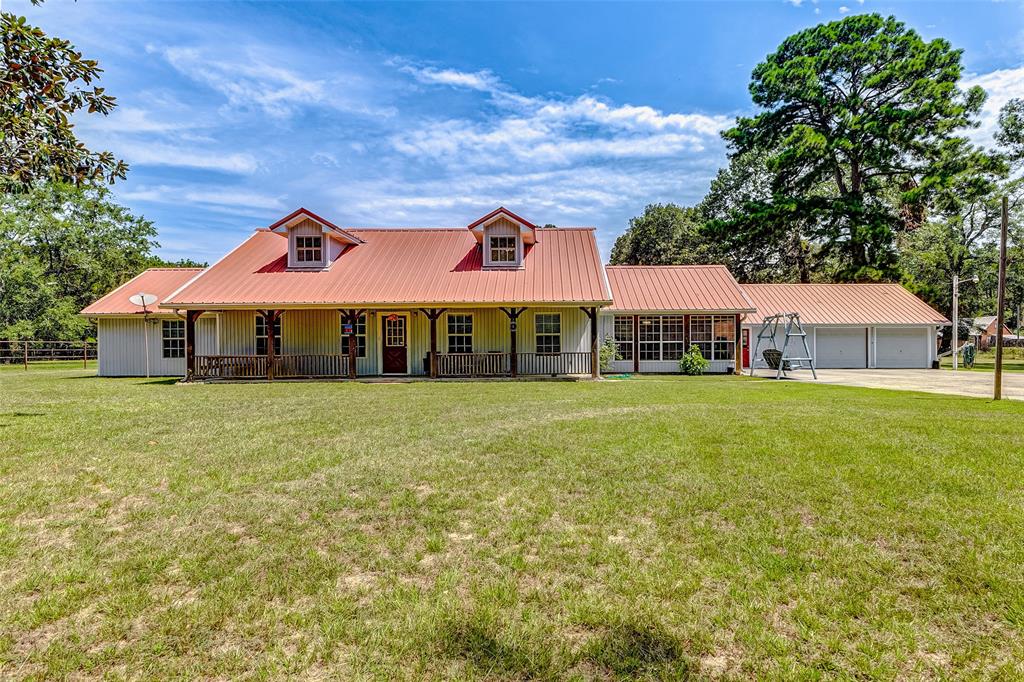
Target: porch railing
(335,365)
(474,364)
(500,364)
(255,366)
(554,363)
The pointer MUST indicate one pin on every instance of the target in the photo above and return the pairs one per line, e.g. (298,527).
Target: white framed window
(502,250)
(360,330)
(715,335)
(261,335)
(548,329)
(460,332)
(309,249)
(172,336)
(662,337)
(623,332)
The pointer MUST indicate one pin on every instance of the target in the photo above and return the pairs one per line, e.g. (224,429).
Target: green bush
(608,354)
(693,362)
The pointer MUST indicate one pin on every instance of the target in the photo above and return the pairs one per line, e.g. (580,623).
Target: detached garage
(850,326)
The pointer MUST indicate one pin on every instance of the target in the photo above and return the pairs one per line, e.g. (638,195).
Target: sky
(233,114)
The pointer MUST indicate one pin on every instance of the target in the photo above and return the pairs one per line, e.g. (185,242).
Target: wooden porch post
(190,343)
(595,369)
(433,314)
(513,322)
(271,317)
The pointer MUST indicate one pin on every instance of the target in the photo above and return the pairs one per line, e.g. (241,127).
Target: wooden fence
(28,352)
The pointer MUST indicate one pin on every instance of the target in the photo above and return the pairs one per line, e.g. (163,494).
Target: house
(850,325)
(983,332)
(305,297)
(498,297)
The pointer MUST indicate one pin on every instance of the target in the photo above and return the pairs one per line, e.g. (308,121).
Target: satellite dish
(142,299)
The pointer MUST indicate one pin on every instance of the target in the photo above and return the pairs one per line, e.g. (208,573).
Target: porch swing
(780,360)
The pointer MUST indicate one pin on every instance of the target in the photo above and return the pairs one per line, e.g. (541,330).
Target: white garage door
(901,348)
(841,348)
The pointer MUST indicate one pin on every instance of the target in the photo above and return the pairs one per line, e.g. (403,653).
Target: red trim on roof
(309,214)
(505,211)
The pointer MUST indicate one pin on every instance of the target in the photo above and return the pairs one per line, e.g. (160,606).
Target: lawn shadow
(625,650)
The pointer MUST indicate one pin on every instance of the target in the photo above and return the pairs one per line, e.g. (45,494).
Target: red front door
(746,347)
(395,342)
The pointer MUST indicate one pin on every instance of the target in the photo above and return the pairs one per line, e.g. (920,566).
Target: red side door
(745,339)
(395,342)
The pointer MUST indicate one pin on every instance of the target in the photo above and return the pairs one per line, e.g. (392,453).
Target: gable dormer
(503,237)
(313,243)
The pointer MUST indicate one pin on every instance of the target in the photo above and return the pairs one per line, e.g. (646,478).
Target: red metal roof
(403,266)
(841,304)
(666,288)
(157,281)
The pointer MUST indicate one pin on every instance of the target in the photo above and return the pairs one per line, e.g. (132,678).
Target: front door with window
(395,345)
(746,348)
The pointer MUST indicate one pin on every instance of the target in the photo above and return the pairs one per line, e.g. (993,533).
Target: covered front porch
(427,342)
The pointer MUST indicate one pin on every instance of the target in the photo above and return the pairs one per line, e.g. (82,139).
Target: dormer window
(313,243)
(503,250)
(503,238)
(309,250)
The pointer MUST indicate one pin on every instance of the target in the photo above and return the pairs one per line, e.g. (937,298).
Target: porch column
(190,343)
(513,322)
(433,314)
(271,317)
(595,369)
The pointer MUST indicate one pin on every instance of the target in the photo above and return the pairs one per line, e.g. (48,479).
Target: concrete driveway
(973,384)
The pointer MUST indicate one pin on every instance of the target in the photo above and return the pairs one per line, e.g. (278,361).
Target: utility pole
(956,319)
(1001,300)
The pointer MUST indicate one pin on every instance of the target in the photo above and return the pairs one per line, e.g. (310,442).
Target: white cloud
(250,79)
(795,3)
(541,131)
(163,154)
(238,200)
(484,80)
(843,9)
(1002,86)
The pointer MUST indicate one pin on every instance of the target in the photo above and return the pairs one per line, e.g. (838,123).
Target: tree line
(63,241)
(856,168)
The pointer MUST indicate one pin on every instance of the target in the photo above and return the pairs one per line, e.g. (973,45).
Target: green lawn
(649,528)
(1013,361)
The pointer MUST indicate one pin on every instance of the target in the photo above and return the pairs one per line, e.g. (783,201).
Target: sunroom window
(624,337)
(661,337)
(715,335)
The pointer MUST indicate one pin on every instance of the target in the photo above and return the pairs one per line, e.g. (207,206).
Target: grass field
(659,528)
(1013,361)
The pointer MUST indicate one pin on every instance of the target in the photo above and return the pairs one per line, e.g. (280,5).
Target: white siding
(122,347)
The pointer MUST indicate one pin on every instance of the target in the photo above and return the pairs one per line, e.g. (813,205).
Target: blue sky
(432,114)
